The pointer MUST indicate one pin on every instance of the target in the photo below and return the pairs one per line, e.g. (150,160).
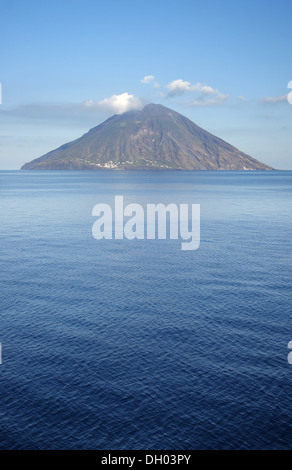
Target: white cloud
(274,99)
(216,100)
(241,98)
(147,79)
(208,96)
(116,103)
(290,84)
(179,87)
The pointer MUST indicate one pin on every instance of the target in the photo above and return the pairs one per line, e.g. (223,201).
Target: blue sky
(68,65)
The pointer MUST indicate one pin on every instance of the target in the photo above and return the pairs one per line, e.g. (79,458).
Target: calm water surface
(136,344)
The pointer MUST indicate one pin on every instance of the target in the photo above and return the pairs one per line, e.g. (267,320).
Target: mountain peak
(155,106)
(154,138)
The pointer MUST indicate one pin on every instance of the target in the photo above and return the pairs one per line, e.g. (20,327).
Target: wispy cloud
(207,95)
(150,79)
(218,99)
(179,87)
(147,79)
(274,99)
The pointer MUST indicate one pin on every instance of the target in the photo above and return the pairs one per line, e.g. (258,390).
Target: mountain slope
(154,138)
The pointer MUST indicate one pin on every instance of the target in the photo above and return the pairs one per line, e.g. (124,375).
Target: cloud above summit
(116,104)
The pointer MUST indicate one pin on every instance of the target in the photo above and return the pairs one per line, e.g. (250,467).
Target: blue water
(119,344)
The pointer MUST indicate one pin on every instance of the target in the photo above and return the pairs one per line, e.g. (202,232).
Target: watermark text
(160,222)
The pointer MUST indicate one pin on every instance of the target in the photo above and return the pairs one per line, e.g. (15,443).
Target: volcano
(155,138)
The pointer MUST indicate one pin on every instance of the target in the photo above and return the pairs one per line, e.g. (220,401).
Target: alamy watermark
(160,221)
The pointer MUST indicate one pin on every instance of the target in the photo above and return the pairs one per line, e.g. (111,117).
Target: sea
(120,344)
